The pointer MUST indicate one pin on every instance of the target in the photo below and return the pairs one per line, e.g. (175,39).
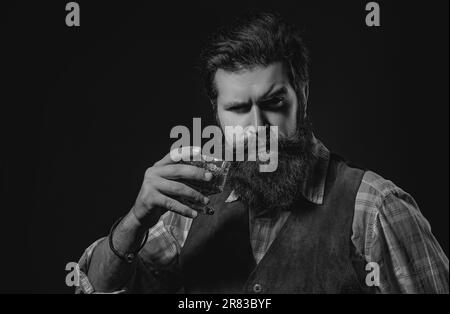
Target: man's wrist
(128,235)
(132,223)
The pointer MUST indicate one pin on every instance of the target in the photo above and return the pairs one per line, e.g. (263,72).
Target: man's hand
(161,187)
(158,192)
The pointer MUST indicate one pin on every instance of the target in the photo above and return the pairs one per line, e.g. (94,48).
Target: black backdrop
(86,110)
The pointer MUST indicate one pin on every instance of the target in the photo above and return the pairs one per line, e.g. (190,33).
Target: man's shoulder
(379,196)
(375,186)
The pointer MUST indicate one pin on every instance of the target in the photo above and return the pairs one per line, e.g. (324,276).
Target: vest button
(257,288)
(155,272)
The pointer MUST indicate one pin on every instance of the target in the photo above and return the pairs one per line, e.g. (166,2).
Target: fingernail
(194,214)
(205,200)
(208,176)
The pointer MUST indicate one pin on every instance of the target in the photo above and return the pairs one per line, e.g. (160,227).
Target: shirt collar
(314,186)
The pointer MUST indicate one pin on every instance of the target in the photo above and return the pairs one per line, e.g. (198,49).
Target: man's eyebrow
(272,93)
(235,104)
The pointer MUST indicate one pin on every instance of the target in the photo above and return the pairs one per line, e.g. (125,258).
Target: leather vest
(312,253)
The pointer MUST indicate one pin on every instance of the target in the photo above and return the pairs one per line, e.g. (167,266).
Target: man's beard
(267,193)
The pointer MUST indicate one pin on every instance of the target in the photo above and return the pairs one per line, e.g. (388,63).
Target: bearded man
(315,225)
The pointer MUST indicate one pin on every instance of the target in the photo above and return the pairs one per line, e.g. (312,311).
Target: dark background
(86,110)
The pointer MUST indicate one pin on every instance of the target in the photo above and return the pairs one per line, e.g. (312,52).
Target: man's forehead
(249,83)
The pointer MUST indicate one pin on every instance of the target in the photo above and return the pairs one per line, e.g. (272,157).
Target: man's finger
(178,154)
(182,171)
(177,207)
(177,189)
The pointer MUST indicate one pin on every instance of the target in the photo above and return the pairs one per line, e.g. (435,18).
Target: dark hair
(255,39)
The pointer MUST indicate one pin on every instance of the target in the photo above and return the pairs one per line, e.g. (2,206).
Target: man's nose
(257,117)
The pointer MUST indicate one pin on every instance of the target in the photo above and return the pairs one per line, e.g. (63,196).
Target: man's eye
(274,103)
(239,108)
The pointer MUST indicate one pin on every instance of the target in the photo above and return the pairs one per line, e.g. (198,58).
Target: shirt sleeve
(156,263)
(399,239)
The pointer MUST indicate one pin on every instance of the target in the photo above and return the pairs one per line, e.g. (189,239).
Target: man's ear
(305,95)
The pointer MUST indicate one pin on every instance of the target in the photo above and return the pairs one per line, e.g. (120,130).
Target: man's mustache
(248,146)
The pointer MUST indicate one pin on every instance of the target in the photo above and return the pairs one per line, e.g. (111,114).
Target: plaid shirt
(388,228)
